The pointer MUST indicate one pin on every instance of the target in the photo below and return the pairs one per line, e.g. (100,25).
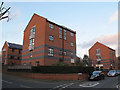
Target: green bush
(62,69)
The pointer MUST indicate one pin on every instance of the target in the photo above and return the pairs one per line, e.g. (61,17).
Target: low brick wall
(72,76)
(58,76)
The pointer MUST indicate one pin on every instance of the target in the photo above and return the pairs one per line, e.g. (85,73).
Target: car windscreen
(95,72)
(112,71)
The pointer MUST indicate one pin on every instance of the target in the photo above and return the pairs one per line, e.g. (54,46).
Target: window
(72,34)
(32,41)
(24,64)
(32,31)
(65,53)
(60,32)
(71,55)
(98,57)
(64,34)
(51,38)
(32,38)
(51,26)
(72,44)
(97,51)
(37,63)
(13,50)
(11,57)
(30,54)
(19,51)
(50,52)
(60,52)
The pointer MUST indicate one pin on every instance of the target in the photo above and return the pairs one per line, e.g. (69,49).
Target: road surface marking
(62,86)
(7,81)
(89,84)
(68,85)
(57,86)
(25,86)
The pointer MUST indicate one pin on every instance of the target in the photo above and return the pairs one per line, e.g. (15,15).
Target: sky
(92,21)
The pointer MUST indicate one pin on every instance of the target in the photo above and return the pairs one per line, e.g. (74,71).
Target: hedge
(62,69)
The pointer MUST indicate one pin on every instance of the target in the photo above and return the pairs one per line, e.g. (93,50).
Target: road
(9,81)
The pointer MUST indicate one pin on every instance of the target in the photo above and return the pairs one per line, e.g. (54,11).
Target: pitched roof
(15,46)
(103,45)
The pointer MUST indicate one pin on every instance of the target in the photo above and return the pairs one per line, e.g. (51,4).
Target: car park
(97,75)
(112,73)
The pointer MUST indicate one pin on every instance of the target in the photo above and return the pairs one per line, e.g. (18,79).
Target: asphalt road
(9,81)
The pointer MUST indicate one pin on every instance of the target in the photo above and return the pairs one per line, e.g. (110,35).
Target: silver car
(118,72)
(112,73)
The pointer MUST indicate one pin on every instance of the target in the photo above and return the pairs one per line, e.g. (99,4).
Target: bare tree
(86,60)
(4,13)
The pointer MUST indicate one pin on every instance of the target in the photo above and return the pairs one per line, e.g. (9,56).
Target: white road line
(57,86)
(7,81)
(90,85)
(25,86)
(62,86)
(68,85)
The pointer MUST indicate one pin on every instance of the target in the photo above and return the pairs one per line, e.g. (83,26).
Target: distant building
(11,54)
(103,57)
(46,42)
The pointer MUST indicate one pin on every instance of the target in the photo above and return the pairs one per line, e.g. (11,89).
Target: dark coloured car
(118,72)
(97,75)
(112,73)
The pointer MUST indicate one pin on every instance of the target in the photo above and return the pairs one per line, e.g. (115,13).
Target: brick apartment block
(11,54)
(103,57)
(46,42)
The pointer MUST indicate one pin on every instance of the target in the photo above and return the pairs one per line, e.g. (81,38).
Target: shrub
(62,69)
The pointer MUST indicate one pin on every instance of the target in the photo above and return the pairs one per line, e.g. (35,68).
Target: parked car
(97,75)
(112,73)
(118,72)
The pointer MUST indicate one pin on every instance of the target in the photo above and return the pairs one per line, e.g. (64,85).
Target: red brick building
(103,57)
(46,42)
(11,54)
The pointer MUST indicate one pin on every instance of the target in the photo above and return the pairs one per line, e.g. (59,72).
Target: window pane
(51,38)
(72,44)
(50,52)
(51,26)
(64,34)
(72,34)
(60,32)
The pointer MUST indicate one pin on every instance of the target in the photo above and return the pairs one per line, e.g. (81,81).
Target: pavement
(9,81)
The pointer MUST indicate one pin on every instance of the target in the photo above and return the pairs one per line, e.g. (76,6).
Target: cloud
(111,40)
(14,14)
(114,17)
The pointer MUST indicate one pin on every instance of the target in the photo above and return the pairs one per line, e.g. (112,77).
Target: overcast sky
(92,21)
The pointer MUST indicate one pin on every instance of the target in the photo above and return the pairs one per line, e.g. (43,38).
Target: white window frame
(51,38)
(60,32)
(31,54)
(50,52)
(64,31)
(98,51)
(65,53)
(72,44)
(71,34)
(51,26)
